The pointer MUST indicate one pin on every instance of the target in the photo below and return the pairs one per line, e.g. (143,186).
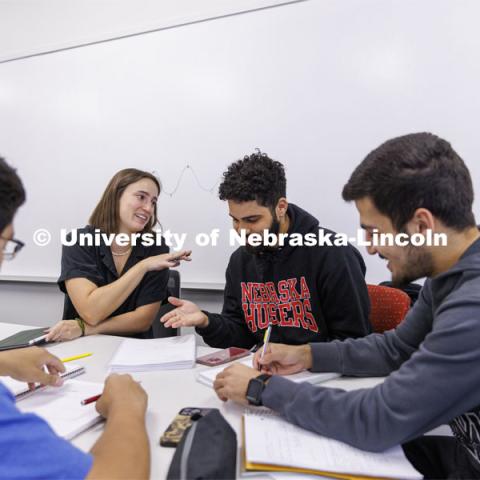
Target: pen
(91,399)
(36,340)
(266,339)
(76,357)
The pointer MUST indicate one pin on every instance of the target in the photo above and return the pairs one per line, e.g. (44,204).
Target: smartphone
(184,418)
(223,356)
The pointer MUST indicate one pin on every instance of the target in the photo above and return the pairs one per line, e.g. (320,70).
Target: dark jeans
(437,457)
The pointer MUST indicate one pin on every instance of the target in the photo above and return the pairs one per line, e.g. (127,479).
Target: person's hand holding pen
(122,395)
(279,359)
(266,339)
(32,365)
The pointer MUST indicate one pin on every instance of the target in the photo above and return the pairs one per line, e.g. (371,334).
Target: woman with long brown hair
(116,289)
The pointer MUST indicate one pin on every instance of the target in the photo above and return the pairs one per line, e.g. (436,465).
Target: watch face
(254,391)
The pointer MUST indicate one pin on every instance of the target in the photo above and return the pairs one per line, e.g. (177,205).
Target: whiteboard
(35,27)
(316,85)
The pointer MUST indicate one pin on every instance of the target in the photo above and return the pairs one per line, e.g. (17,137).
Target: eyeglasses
(11,248)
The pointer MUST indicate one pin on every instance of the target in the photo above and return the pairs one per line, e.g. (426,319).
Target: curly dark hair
(255,177)
(419,170)
(12,194)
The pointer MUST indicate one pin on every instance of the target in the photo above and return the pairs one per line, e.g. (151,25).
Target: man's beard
(261,249)
(418,264)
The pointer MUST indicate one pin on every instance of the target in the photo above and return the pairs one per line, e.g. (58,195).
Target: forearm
(103,301)
(434,386)
(4,364)
(229,328)
(222,332)
(375,355)
(131,322)
(123,450)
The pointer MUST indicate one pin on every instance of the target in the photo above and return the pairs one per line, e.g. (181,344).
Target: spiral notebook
(61,406)
(273,444)
(21,390)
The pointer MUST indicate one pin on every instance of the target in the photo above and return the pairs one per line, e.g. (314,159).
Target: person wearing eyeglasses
(29,447)
(10,246)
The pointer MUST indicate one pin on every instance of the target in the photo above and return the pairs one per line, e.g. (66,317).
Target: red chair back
(388,307)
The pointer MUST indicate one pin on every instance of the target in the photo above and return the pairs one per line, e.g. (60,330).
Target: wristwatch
(255,388)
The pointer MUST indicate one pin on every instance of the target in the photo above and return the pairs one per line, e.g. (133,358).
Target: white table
(168,391)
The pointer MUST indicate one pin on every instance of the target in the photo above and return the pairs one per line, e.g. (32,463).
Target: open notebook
(172,353)
(272,444)
(60,407)
(207,376)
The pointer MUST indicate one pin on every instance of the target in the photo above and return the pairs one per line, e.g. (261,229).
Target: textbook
(172,353)
(207,376)
(20,389)
(272,444)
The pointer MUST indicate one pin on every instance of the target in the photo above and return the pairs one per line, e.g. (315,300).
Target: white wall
(41,304)
(316,84)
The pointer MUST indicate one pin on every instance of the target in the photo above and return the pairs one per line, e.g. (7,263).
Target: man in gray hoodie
(409,185)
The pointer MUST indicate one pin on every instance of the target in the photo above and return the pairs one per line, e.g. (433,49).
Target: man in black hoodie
(307,293)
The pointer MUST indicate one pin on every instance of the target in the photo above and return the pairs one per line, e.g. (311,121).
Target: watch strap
(257,384)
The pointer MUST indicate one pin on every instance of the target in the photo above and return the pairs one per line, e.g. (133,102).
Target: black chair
(173,289)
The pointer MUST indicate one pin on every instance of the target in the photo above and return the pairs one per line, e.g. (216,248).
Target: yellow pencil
(76,357)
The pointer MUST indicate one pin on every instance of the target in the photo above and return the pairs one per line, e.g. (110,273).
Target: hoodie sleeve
(343,293)
(229,328)
(377,354)
(438,382)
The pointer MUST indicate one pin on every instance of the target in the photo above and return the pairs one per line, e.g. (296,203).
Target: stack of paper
(208,375)
(272,444)
(171,353)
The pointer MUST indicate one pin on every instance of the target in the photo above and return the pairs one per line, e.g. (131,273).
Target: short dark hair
(419,170)
(12,194)
(255,177)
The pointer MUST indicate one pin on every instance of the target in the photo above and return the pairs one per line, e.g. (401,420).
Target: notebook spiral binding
(260,412)
(71,374)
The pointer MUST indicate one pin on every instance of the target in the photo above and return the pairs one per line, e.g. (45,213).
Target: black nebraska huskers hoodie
(310,294)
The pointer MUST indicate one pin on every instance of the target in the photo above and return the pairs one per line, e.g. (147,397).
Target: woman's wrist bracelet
(81,324)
